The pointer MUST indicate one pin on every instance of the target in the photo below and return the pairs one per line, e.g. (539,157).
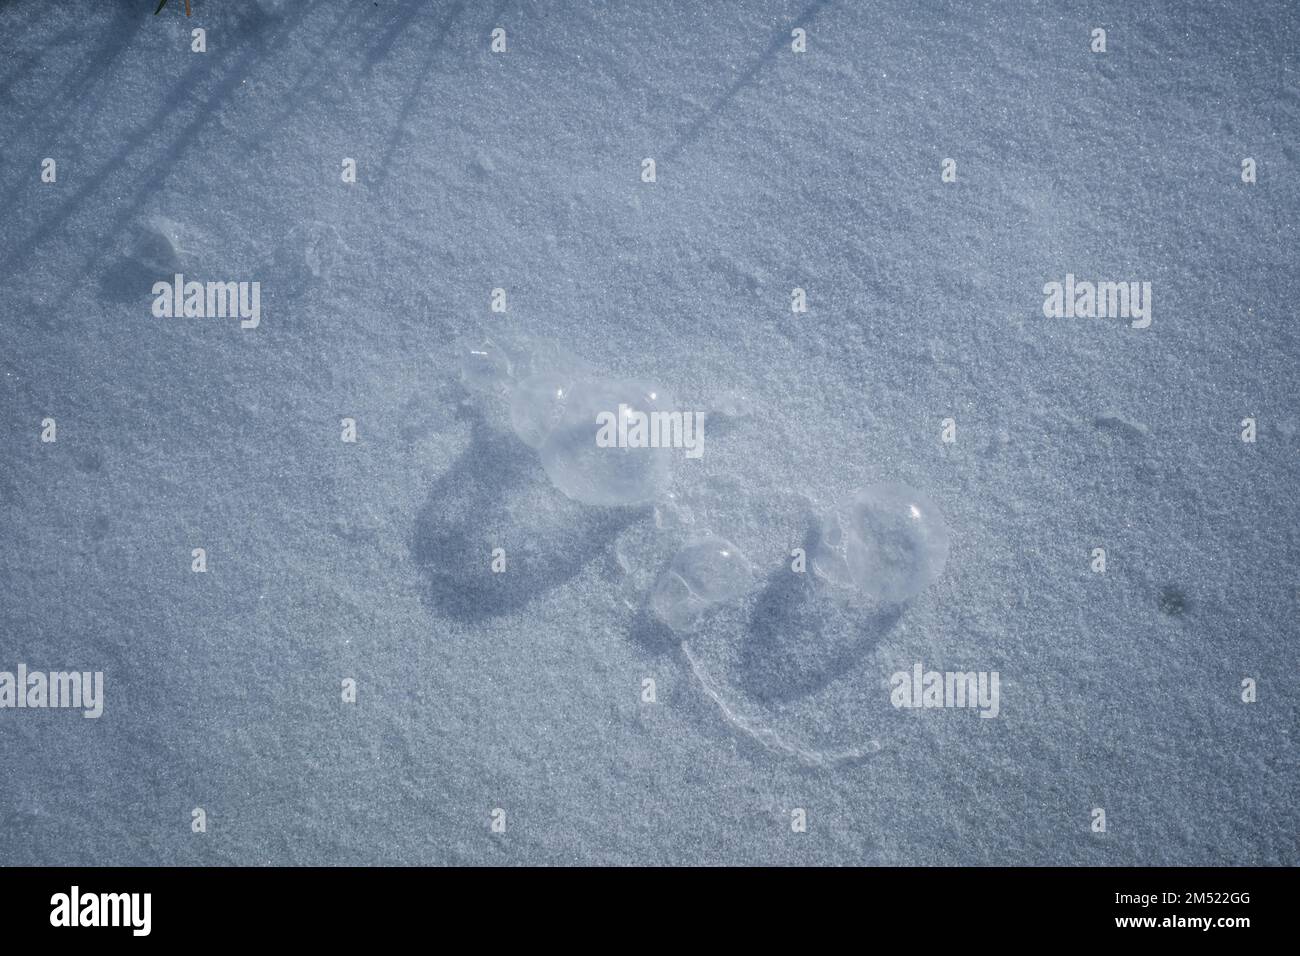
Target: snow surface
(522,171)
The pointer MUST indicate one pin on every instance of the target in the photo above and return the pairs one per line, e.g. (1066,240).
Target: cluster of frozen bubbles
(881,545)
(554,400)
(885,544)
(888,542)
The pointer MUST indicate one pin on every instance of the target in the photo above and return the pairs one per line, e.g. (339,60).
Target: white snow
(522,171)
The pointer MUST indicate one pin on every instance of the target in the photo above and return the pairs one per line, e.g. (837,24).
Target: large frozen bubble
(888,541)
(537,406)
(596,472)
(702,576)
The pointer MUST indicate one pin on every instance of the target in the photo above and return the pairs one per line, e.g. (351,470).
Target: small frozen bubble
(537,406)
(702,576)
(619,475)
(485,367)
(714,569)
(888,541)
(674,604)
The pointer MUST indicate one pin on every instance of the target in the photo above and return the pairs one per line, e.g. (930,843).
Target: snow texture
(523,170)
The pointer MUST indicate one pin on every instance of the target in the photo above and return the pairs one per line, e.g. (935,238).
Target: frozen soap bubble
(537,406)
(617,474)
(702,575)
(485,367)
(546,377)
(888,541)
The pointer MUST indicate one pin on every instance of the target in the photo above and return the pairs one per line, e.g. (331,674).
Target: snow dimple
(156,248)
(159,246)
(1172,601)
(309,253)
(888,541)
(1122,426)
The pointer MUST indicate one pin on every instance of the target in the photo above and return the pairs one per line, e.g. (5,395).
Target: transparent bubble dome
(582,469)
(485,367)
(702,576)
(888,541)
(537,406)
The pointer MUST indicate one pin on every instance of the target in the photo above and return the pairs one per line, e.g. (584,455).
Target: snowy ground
(521,170)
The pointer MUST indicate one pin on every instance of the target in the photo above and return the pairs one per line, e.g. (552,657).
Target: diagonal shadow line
(300,88)
(746,79)
(311,78)
(26,246)
(381,47)
(408,102)
(82,88)
(116,38)
(157,168)
(318,68)
(23,63)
